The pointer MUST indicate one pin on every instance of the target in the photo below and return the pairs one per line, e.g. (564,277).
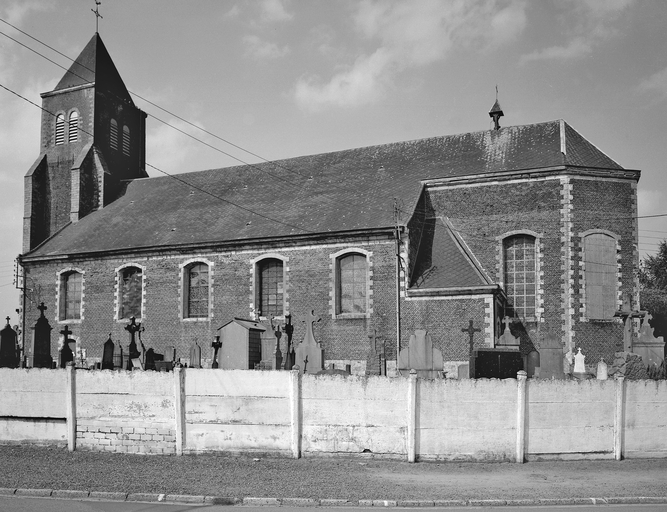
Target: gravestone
(507,339)
(650,348)
(195,356)
(40,348)
(422,356)
(602,373)
(470,330)
(149,364)
(278,355)
(551,358)
(107,354)
(627,314)
(579,362)
(579,371)
(133,352)
(309,353)
(532,362)
(65,355)
(375,359)
(215,345)
(290,356)
(8,355)
(118,357)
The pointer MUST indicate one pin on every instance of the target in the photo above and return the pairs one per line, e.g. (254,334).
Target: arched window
(60,129)
(126,141)
(270,287)
(196,296)
(113,134)
(70,296)
(601,283)
(520,275)
(73,128)
(130,292)
(352,276)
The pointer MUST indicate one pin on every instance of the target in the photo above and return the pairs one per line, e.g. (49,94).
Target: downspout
(22,363)
(398,294)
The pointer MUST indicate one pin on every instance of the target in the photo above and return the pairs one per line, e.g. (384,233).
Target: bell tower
(93,140)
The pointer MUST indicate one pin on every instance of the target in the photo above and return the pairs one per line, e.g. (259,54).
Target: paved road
(57,505)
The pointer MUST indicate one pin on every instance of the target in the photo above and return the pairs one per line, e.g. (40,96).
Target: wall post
(295,412)
(179,402)
(619,417)
(412,416)
(71,406)
(521,378)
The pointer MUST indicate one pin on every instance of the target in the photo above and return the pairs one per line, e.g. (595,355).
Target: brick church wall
(308,288)
(605,205)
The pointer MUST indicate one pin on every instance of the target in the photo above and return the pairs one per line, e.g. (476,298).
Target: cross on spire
(42,308)
(97,14)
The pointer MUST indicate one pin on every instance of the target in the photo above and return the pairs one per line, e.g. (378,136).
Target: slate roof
(325,193)
(444,261)
(94,65)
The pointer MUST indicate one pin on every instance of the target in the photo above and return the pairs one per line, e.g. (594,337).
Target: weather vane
(97,15)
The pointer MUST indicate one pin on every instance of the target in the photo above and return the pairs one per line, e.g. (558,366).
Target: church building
(448,234)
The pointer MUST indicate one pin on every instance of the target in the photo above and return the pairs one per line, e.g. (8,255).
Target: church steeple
(93,140)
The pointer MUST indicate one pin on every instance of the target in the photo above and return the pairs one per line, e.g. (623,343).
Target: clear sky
(283,78)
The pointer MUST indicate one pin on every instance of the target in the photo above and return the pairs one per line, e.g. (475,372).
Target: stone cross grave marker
(40,351)
(471,330)
(133,352)
(290,356)
(66,354)
(8,356)
(278,355)
(627,314)
(310,353)
(648,346)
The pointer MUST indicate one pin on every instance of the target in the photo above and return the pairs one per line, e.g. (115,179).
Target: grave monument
(309,353)
(422,356)
(40,347)
(8,347)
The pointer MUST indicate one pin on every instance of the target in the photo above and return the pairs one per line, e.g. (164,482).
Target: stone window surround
(66,125)
(59,277)
(117,272)
(333,267)
(182,270)
(254,283)
(582,273)
(539,273)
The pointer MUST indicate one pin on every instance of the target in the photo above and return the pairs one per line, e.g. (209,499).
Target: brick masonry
(553,210)
(125,439)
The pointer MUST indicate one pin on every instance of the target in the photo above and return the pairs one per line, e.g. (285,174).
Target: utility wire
(173,176)
(274,163)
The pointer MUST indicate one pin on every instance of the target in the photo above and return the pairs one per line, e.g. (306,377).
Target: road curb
(312,502)
(35,493)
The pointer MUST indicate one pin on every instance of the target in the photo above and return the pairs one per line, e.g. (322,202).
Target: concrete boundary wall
(284,414)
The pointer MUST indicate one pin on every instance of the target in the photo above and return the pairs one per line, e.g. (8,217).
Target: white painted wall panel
(209,382)
(32,392)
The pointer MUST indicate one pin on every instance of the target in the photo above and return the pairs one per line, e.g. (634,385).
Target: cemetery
(262,396)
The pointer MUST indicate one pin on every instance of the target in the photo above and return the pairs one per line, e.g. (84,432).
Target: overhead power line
(274,163)
(171,175)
